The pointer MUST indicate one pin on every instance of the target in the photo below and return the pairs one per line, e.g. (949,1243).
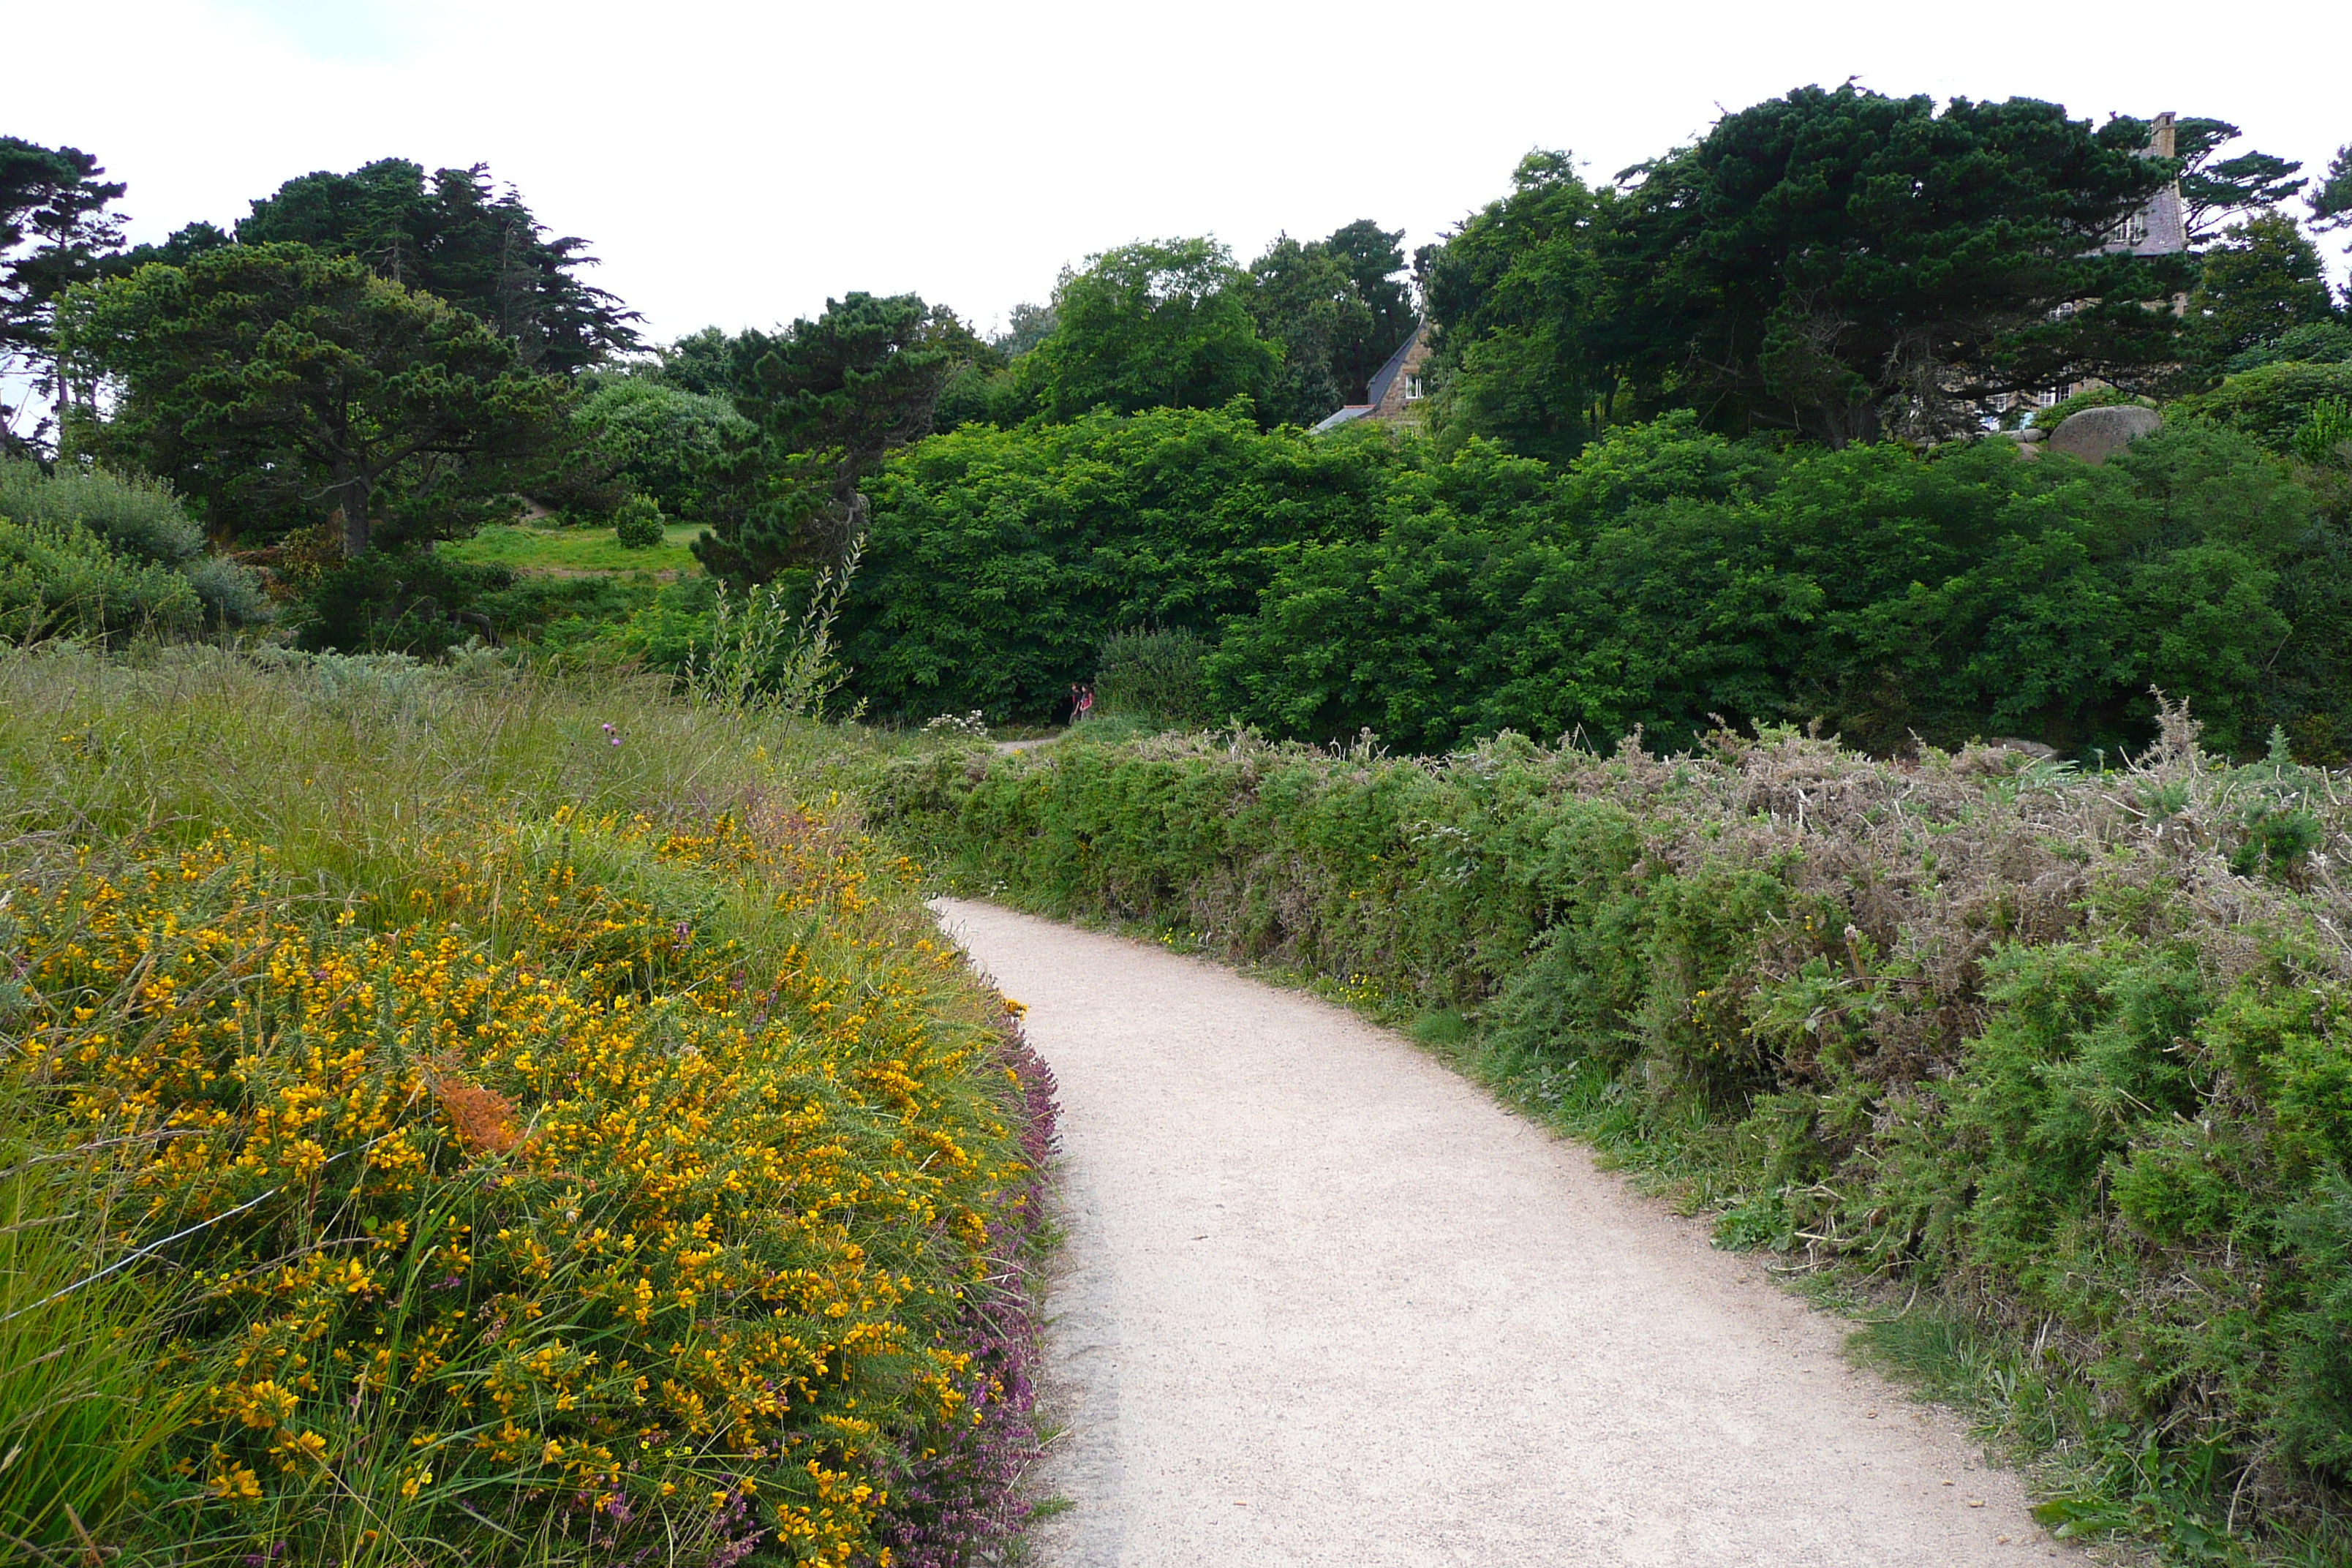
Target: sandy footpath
(1323,1301)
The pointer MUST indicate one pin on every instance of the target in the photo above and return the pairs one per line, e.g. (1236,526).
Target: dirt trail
(1324,1302)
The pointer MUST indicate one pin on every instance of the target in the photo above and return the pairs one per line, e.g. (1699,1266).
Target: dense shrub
(2068,1052)
(1669,575)
(2269,403)
(1152,675)
(677,447)
(139,520)
(1000,560)
(417,601)
(61,580)
(1666,575)
(637,524)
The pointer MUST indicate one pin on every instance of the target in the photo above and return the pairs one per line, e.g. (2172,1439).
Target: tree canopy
(455,236)
(55,230)
(1155,324)
(830,397)
(1847,265)
(281,388)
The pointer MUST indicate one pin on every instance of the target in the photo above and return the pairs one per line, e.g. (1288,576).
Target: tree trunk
(352,513)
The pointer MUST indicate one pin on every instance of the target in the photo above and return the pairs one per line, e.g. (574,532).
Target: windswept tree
(1848,265)
(1156,324)
(55,231)
(2214,189)
(830,398)
(2330,199)
(456,235)
(2263,280)
(282,389)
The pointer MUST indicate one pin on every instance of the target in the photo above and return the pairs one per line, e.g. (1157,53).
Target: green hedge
(2070,1053)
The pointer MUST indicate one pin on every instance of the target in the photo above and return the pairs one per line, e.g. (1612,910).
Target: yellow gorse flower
(540,1164)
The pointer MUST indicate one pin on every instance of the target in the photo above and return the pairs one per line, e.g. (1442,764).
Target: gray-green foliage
(134,516)
(60,580)
(2067,1051)
(140,522)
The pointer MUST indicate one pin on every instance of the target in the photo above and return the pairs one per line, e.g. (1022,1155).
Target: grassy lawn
(576,550)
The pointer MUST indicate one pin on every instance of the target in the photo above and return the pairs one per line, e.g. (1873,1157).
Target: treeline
(1783,332)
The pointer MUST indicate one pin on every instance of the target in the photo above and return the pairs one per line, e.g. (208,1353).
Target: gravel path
(1323,1301)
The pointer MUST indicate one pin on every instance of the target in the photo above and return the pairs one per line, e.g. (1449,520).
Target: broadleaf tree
(1155,324)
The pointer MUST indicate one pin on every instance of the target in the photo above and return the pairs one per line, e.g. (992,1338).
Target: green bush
(61,580)
(637,524)
(2067,1054)
(415,601)
(1153,676)
(2057,413)
(139,517)
(2270,403)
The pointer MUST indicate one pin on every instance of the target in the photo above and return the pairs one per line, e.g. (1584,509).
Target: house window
(1412,389)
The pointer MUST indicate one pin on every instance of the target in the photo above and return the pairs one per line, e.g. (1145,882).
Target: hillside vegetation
(455,1117)
(2054,1062)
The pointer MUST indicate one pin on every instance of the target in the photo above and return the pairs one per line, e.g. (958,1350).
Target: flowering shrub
(622,1192)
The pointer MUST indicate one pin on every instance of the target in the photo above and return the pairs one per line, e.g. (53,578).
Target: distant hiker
(1085,703)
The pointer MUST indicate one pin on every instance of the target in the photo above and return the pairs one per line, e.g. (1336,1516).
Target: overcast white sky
(737,163)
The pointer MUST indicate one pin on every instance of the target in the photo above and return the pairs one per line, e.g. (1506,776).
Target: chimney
(2160,140)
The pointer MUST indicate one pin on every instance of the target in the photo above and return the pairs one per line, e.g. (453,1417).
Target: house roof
(1387,375)
(1339,417)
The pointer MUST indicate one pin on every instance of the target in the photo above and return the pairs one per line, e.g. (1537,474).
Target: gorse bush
(2066,1052)
(539,1182)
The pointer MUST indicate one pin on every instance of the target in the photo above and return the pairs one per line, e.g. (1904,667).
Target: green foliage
(999,560)
(638,523)
(2325,436)
(830,399)
(136,516)
(76,1419)
(686,450)
(1517,295)
(278,386)
(1336,310)
(759,657)
(1836,263)
(414,601)
(2074,402)
(2323,343)
(455,237)
(2262,281)
(1670,574)
(2021,1044)
(55,232)
(59,580)
(1156,324)
(2269,402)
(1153,676)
